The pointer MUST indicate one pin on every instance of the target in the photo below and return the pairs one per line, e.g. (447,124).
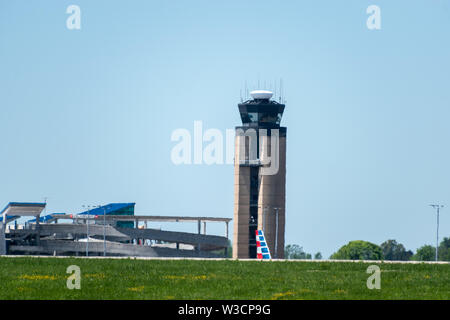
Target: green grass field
(45,278)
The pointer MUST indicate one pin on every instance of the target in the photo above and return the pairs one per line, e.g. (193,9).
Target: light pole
(104,227)
(87,230)
(437,207)
(276,232)
(104,231)
(45,208)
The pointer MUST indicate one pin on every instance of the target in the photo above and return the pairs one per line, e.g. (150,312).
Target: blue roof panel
(46,218)
(108,209)
(9,218)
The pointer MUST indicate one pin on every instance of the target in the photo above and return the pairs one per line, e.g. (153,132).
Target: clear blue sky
(87,115)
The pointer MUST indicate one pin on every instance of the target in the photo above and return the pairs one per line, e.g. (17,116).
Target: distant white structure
(261,94)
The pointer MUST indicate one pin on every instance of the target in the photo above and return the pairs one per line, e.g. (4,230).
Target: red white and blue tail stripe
(262,250)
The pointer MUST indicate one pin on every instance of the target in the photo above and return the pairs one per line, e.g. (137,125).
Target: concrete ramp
(76,230)
(207,242)
(96,248)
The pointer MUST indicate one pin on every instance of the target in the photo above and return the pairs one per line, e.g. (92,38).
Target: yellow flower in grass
(37,277)
(137,289)
(340,291)
(22,289)
(276,296)
(175,277)
(305,291)
(186,277)
(95,275)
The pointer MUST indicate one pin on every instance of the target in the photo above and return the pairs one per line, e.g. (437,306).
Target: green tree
(444,250)
(395,251)
(318,256)
(221,253)
(359,250)
(294,251)
(425,253)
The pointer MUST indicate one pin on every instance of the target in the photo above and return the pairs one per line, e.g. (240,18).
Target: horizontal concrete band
(72,229)
(210,242)
(61,246)
(144,218)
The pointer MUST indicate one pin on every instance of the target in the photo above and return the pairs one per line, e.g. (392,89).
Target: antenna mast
(246,91)
(275,89)
(281,90)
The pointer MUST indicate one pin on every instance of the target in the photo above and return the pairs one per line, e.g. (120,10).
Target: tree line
(388,250)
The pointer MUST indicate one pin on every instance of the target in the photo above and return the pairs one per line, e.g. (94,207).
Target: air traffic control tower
(260,176)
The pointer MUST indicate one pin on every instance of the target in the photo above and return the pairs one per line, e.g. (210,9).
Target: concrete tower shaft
(260,177)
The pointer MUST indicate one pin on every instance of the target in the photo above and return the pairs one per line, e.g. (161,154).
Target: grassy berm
(46,278)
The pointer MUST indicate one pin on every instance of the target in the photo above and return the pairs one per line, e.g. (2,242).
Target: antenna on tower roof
(281,90)
(246,91)
(275,89)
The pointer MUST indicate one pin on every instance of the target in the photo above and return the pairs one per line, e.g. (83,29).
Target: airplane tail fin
(262,250)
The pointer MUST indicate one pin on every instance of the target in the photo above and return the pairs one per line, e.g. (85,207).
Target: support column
(2,236)
(199,232)
(226,230)
(226,236)
(138,240)
(38,233)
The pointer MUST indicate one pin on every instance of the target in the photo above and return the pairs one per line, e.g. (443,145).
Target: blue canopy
(110,209)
